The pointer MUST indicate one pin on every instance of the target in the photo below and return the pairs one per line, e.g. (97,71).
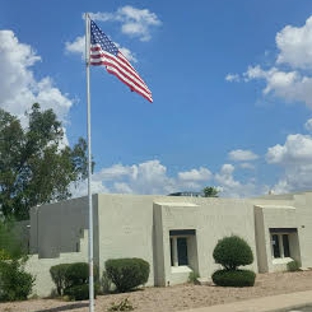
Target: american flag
(104,52)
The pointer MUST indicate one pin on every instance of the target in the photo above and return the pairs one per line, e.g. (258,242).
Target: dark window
(182,251)
(182,232)
(276,247)
(171,251)
(283,230)
(286,245)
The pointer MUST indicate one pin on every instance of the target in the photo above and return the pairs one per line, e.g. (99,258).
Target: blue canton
(98,37)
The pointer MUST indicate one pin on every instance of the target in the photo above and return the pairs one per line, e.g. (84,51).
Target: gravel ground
(176,298)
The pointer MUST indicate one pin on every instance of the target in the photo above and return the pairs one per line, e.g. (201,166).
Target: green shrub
(193,276)
(15,283)
(58,276)
(76,274)
(232,252)
(72,280)
(293,266)
(234,278)
(78,292)
(127,273)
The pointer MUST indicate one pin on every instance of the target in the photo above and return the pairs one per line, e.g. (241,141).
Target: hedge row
(234,278)
(73,279)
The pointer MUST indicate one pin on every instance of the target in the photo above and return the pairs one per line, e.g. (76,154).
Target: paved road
(280,303)
(305,309)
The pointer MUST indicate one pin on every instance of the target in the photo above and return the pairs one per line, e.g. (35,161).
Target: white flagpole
(87,52)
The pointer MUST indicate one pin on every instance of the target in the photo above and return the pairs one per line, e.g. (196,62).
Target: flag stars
(98,37)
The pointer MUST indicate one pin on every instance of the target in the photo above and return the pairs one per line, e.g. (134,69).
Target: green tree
(10,244)
(210,191)
(35,165)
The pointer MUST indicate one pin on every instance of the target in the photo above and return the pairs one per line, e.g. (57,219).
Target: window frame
(174,252)
(280,236)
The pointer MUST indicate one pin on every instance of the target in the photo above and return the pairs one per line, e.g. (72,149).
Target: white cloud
(117,171)
(232,78)
(242,155)
(246,165)
(295,157)
(134,22)
(203,174)
(308,125)
(151,177)
(229,187)
(78,47)
(296,150)
(295,45)
(122,188)
(291,86)
(19,89)
(296,178)
(80,188)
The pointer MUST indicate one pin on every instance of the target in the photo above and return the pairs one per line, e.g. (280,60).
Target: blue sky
(231,84)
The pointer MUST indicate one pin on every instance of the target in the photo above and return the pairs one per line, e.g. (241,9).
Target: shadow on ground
(66,307)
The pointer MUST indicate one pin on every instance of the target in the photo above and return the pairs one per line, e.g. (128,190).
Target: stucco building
(176,235)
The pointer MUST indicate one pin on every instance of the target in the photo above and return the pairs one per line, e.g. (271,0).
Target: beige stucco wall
(212,219)
(277,215)
(126,228)
(57,228)
(303,204)
(261,250)
(40,267)
(274,216)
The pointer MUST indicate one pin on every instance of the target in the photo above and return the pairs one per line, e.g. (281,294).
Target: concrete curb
(279,303)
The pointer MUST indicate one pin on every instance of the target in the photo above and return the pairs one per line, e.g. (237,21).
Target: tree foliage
(232,252)
(15,283)
(36,167)
(210,191)
(11,246)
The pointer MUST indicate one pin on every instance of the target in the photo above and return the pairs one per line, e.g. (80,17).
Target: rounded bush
(58,276)
(77,274)
(74,279)
(232,252)
(127,273)
(234,278)
(78,292)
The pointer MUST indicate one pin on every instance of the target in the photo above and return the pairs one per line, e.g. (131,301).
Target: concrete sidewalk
(265,304)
